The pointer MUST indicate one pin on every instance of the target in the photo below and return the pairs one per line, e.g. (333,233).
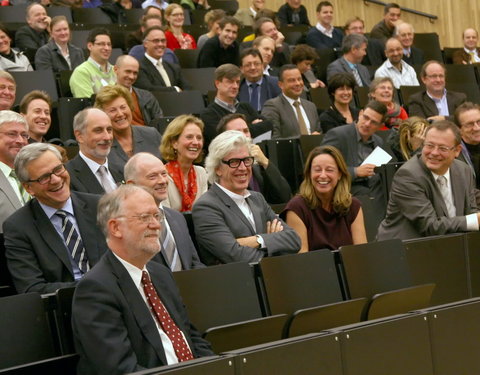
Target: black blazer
(150,79)
(268,90)
(285,15)
(82,179)
(273,185)
(27,38)
(49,57)
(113,328)
(185,247)
(36,254)
(420,104)
(145,139)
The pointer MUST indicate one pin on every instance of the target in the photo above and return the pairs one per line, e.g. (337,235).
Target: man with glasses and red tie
(127,314)
(233,224)
(53,240)
(13,136)
(432,193)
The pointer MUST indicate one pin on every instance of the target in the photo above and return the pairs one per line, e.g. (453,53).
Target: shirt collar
(359,137)
(446,175)
(153,60)
(435,99)
(93,165)
(324,30)
(259,82)
(229,107)
(50,211)
(290,100)
(6,170)
(235,197)
(134,272)
(109,67)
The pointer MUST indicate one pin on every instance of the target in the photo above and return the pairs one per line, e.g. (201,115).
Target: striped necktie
(74,242)
(356,75)
(169,249)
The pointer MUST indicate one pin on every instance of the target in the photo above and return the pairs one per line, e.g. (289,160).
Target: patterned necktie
(163,73)
(169,249)
(472,57)
(301,120)
(254,96)
(23,193)
(74,242)
(104,180)
(180,346)
(442,183)
(357,76)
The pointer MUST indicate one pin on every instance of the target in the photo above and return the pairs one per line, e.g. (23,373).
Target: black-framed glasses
(45,179)
(235,162)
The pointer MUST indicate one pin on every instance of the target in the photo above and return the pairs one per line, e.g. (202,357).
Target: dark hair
(259,23)
(5,30)
(322,4)
(423,72)
(229,20)
(443,126)
(302,52)
(228,71)
(352,20)
(378,107)
(147,17)
(339,80)
(150,29)
(222,124)
(285,68)
(250,52)
(389,6)
(464,107)
(96,32)
(268,13)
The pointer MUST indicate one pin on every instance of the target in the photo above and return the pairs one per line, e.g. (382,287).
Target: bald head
(405,34)
(126,68)
(470,38)
(147,170)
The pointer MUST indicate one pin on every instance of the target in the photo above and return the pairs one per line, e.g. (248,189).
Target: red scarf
(188,196)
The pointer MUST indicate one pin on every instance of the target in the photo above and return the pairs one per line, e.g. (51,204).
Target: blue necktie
(74,242)
(254,96)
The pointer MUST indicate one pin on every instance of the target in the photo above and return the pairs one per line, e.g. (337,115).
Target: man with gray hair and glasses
(233,224)
(13,136)
(52,241)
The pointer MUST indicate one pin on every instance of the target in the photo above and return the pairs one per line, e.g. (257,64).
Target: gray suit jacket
(340,65)
(36,254)
(9,201)
(148,105)
(420,104)
(49,57)
(145,139)
(416,207)
(185,247)
(219,222)
(82,179)
(285,124)
(113,328)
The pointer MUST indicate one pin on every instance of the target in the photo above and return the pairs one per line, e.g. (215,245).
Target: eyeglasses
(235,163)
(431,147)
(471,124)
(15,135)
(103,44)
(45,179)
(157,41)
(146,218)
(436,76)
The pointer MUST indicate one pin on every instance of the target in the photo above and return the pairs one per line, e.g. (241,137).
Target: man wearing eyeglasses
(53,240)
(127,313)
(13,136)
(89,77)
(432,193)
(436,102)
(356,142)
(467,118)
(233,224)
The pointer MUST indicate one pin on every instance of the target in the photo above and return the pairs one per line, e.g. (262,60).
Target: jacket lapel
(9,192)
(86,226)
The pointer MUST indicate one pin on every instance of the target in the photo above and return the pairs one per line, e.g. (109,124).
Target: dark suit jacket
(150,79)
(114,330)
(375,53)
(268,90)
(148,105)
(416,57)
(9,201)
(285,124)
(421,105)
(49,57)
(213,54)
(145,139)
(285,15)
(341,66)
(185,247)
(219,222)
(82,179)
(27,38)
(381,31)
(318,40)
(345,139)
(273,185)
(416,207)
(36,254)
(460,56)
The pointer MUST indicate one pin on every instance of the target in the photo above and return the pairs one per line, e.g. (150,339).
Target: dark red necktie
(180,346)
